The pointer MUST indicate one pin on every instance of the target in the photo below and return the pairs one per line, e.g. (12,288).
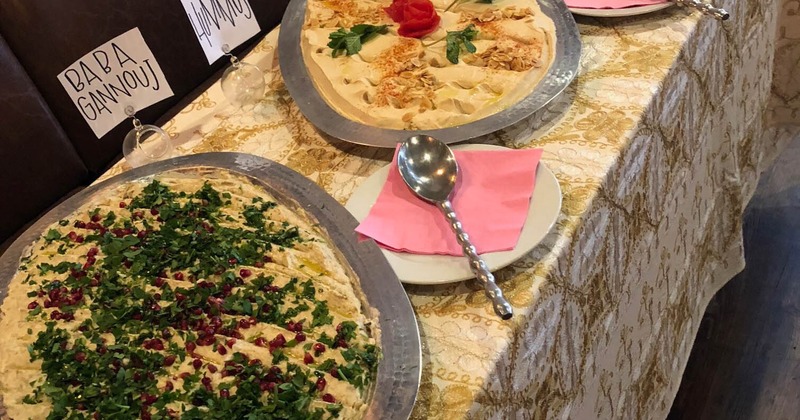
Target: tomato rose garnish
(417,18)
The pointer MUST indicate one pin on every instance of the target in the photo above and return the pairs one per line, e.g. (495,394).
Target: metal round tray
(325,118)
(399,371)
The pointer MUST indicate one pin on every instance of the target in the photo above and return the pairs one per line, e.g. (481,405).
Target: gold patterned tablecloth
(657,146)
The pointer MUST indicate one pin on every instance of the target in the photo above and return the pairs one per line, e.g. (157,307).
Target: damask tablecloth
(657,146)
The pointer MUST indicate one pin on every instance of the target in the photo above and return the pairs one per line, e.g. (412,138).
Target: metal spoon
(705,8)
(429,168)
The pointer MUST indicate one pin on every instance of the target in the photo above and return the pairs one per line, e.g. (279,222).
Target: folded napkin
(491,198)
(610,4)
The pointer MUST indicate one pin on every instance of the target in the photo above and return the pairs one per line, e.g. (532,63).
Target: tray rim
(326,119)
(399,375)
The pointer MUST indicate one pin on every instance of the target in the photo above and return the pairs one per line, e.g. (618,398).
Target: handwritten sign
(220,22)
(122,72)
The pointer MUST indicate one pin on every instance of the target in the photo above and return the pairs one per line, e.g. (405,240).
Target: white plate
(627,11)
(439,269)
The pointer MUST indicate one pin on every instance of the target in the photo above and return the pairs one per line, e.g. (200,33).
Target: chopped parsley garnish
(166,274)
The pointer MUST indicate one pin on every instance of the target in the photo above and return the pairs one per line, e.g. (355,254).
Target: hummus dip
(193,295)
(398,82)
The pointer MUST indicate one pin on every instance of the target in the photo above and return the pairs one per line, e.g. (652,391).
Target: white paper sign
(220,22)
(120,73)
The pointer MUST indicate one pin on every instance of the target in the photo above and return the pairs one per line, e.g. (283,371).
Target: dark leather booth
(47,149)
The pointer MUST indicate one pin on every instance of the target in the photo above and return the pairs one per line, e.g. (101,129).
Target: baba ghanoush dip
(193,295)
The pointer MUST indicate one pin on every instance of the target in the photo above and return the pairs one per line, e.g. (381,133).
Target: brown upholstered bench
(46,148)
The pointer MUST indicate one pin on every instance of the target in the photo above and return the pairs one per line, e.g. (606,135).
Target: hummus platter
(210,286)
(376,71)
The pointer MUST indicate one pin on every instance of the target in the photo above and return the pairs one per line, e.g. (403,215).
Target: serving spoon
(429,168)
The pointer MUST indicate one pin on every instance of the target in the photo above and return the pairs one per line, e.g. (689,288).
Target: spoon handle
(478,266)
(705,8)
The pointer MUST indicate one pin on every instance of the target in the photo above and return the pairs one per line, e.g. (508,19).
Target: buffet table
(657,146)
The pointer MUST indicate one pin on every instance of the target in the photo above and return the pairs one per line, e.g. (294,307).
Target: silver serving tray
(313,106)
(399,371)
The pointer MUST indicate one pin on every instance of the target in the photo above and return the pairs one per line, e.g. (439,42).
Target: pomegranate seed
(232,261)
(197,363)
(278,341)
(266,258)
(158,282)
(334,372)
(72,235)
(266,386)
(212,368)
(169,360)
(141,234)
(184,375)
(80,239)
(92,252)
(79,224)
(290,326)
(178,276)
(255,362)
(137,317)
(155,307)
(180,297)
(308,358)
(245,273)
(127,264)
(206,380)
(300,337)
(328,398)
(168,386)
(123,204)
(33,305)
(96,218)
(260,342)
(259,264)
(230,342)
(80,356)
(154,211)
(102,350)
(319,348)
(321,384)
(137,376)
(157,296)
(221,349)
(224,393)
(191,346)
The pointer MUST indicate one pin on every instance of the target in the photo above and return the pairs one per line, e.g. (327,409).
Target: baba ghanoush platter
(374,72)
(219,285)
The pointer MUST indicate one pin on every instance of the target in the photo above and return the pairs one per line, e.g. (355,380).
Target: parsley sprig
(351,41)
(456,39)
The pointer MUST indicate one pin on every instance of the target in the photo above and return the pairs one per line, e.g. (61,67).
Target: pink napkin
(610,4)
(491,199)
